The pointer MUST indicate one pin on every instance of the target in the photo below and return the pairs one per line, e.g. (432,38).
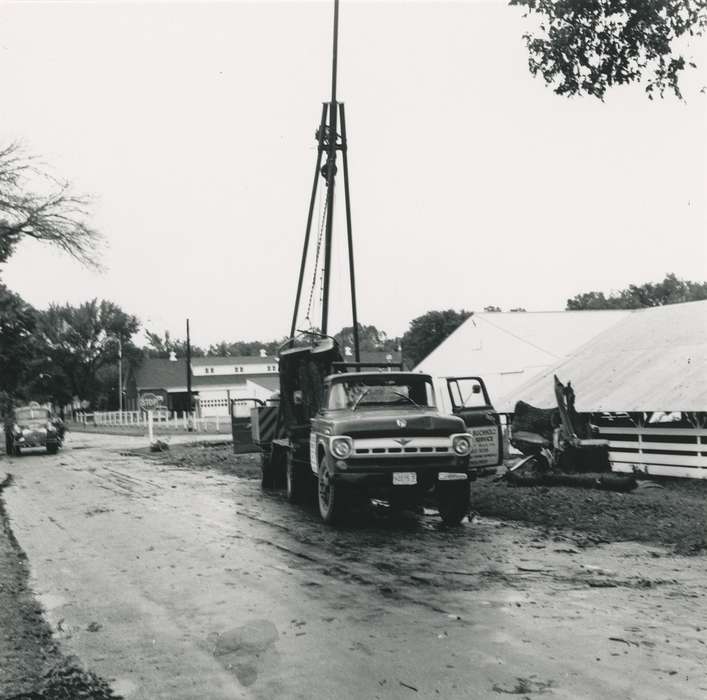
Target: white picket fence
(161,419)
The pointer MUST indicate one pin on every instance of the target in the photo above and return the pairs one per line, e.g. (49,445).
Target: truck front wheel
(332,499)
(453,501)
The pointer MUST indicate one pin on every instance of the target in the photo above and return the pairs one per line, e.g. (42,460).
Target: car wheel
(453,501)
(17,451)
(52,449)
(8,445)
(331,497)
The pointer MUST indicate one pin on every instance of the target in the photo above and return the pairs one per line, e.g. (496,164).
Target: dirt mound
(674,513)
(218,456)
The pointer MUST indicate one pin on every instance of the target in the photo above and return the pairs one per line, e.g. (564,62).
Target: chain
(316,262)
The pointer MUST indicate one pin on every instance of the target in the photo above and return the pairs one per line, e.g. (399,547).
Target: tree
(369,338)
(583,47)
(670,291)
(34,204)
(493,309)
(162,347)
(81,343)
(426,332)
(18,321)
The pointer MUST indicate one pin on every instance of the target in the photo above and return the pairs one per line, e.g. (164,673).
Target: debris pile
(68,681)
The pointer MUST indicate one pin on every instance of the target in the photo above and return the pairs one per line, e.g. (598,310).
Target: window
(381,391)
(467,392)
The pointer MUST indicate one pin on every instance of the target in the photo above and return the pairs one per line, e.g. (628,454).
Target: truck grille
(399,450)
(403,463)
(420,446)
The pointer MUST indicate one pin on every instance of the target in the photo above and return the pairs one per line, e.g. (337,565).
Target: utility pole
(120,378)
(189,404)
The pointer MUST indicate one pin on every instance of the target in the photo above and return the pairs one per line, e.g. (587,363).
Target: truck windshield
(381,391)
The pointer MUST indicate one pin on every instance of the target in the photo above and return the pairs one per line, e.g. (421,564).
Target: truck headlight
(461,444)
(341,447)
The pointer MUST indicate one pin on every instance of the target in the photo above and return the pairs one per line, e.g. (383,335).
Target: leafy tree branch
(584,47)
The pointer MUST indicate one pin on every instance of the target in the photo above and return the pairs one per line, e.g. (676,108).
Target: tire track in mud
(401,581)
(413,571)
(115,480)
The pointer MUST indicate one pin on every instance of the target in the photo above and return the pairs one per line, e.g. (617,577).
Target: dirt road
(181,585)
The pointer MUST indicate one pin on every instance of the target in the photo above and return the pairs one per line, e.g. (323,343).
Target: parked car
(33,426)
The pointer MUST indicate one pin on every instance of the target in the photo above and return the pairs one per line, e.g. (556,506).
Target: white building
(507,349)
(214,382)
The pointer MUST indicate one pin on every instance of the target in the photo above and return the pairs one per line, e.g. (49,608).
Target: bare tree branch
(34,204)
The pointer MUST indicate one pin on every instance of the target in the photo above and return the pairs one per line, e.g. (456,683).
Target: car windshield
(381,391)
(31,415)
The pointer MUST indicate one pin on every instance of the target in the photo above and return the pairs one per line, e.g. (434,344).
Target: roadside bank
(32,666)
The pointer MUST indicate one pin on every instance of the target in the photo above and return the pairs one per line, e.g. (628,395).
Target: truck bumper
(379,478)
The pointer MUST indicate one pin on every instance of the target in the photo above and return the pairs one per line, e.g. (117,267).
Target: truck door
(470,401)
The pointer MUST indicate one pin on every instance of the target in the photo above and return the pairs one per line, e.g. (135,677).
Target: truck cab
(380,434)
(345,432)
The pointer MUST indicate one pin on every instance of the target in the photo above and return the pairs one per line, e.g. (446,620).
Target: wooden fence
(658,450)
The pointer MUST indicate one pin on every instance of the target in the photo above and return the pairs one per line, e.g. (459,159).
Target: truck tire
(295,480)
(268,473)
(453,501)
(331,497)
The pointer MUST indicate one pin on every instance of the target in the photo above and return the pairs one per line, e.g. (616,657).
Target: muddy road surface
(180,584)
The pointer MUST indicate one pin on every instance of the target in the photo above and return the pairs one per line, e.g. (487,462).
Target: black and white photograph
(353,349)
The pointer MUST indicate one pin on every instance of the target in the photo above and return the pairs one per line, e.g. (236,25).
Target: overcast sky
(471,182)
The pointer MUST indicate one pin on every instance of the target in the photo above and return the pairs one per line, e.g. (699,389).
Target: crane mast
(331,137)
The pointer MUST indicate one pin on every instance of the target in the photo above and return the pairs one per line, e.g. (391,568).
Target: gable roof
(653,360)
(159,373)
(162,373)
(508,348)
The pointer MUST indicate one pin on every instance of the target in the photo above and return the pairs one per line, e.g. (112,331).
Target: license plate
(404,478)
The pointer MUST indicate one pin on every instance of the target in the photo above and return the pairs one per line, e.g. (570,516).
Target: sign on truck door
(470,401)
